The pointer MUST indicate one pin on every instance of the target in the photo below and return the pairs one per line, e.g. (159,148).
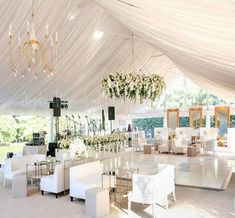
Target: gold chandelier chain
(132,52)
(33,4)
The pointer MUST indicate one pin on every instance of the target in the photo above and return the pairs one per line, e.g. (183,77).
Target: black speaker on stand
(111,113)
(103,121)
(56,114)
(111,116)
(56,107)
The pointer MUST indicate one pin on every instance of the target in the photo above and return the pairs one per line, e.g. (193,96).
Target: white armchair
(180,146)
(164,147)
(161,139)
(210,145)
(153,189)
(57,182)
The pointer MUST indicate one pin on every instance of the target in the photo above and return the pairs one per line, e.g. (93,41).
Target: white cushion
(88,183)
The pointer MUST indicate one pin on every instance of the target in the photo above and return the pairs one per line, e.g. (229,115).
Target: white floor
(191,202)
(204,171)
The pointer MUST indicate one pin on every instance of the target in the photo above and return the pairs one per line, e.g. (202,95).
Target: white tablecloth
(41,149)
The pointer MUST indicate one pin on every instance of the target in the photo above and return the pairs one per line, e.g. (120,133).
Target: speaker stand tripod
(57,128)
(111,126)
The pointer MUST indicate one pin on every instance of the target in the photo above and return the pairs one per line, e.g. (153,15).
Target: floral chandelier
(33,55)
(133,86)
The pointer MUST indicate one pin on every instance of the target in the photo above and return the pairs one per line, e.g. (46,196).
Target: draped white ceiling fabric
(171,37)
(197,35)
(82,59)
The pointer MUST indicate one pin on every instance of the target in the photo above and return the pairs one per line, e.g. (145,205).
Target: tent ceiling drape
(198,39)
(197,36)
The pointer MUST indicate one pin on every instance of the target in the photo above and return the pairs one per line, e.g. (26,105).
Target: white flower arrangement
(64,143)
(81,154)
(133,86)
(78,149)
(96,140)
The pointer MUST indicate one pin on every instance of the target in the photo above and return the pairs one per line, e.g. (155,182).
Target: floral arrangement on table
(133,86)
(94,141)
(81,152)
(196,124)
(78,149)
(64,143)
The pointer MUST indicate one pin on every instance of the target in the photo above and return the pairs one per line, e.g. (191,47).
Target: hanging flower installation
(133,86)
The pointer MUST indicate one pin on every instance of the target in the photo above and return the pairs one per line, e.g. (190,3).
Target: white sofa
(17,165)
(153,189)
(83,177)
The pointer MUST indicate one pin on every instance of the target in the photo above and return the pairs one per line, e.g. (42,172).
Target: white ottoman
(97,202)
(19,186)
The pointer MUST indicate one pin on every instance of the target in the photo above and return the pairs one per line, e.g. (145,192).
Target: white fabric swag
(82,59)
(197,35)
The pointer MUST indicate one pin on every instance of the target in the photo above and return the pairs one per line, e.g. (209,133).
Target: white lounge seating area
(105,161)
(154,189)
(177,141)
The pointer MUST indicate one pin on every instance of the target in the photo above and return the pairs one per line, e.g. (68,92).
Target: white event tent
(171,38)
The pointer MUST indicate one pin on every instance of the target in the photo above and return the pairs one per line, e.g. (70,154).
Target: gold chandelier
(34,55)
